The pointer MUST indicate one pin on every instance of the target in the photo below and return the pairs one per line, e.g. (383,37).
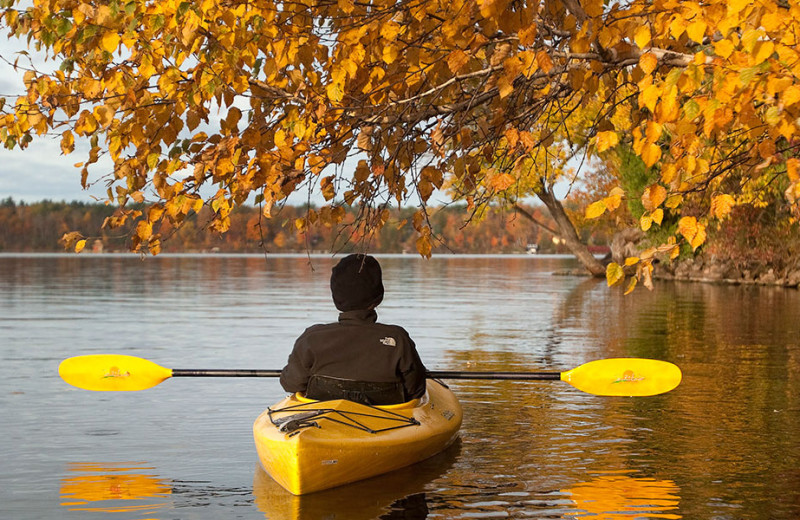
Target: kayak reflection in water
(356,358)
(401,494)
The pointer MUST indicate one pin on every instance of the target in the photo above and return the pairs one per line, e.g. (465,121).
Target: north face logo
(389,341)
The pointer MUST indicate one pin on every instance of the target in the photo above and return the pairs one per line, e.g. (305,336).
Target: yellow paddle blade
(624,376)
(112,372)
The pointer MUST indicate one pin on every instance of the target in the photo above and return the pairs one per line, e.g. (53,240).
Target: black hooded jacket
(358,348)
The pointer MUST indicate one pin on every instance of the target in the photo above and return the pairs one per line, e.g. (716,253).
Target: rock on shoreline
(701,269)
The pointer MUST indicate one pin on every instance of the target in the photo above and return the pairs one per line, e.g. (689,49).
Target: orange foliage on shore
(38,227)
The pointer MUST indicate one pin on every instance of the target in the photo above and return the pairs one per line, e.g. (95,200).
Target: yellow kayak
(308,445)
(364,500)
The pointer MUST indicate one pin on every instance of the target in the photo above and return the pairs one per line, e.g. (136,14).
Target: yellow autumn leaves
(110,41)
(690,228)
(725,109)
(610,203)
(253,101)
(606,140)
(653,199)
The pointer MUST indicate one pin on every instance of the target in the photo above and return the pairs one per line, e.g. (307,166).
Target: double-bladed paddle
(615,376)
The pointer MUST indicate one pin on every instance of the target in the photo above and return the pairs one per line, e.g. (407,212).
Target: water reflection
(604,497)
(399,494)
(113,488)
(726,437)
(619,497)
(128,490)
(414,494)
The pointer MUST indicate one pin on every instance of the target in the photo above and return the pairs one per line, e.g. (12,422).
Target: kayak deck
(308,446)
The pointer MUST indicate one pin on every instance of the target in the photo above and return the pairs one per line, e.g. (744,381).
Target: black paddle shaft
(509,376)
(514,376)
(225,373)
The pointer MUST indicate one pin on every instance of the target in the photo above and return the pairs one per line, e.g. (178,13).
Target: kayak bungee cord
(302,418)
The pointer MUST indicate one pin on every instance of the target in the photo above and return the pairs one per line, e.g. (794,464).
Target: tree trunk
(569,235)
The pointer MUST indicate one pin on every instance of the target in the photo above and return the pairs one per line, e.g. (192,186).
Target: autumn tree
(208,103)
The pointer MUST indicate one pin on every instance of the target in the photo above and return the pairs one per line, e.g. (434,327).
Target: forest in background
(39,226)
(750,244)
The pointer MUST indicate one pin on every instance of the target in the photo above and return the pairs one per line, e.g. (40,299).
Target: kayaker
(356,358)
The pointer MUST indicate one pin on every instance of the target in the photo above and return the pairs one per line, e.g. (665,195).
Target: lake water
(723,445)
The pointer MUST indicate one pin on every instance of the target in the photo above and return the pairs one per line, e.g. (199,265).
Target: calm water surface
(723,445)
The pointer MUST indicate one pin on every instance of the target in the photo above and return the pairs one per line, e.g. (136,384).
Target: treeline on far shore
(38,227)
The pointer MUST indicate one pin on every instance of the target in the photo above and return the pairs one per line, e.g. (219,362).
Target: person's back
(356,358)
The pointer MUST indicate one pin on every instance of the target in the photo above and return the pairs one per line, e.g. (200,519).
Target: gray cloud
(41,172)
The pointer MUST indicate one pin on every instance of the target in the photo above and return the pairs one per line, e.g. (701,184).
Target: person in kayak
(356,358)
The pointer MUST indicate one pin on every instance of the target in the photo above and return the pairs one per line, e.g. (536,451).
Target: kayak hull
(317,445)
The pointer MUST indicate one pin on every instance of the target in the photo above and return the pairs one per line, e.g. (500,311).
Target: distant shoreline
(56,254)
